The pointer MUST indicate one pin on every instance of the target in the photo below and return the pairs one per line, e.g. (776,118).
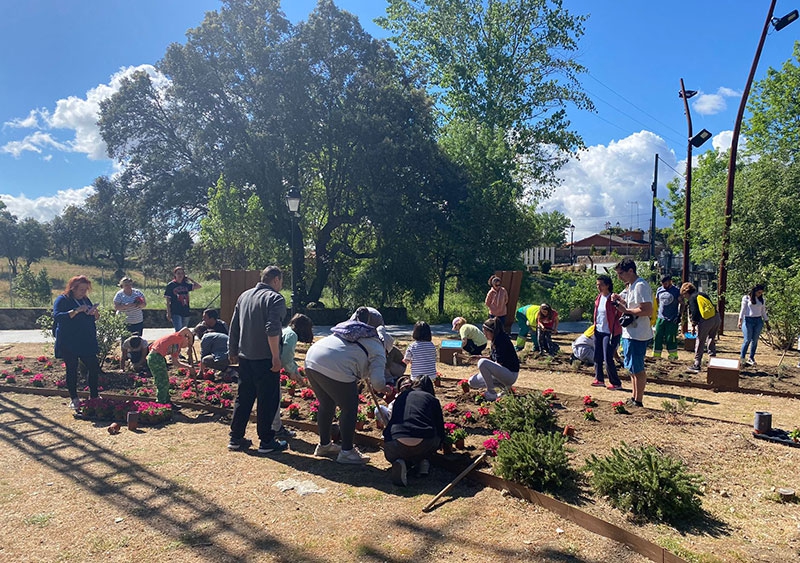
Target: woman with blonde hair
(705,323)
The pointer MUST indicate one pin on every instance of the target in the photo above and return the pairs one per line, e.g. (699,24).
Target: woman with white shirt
(752,318)
(607,334)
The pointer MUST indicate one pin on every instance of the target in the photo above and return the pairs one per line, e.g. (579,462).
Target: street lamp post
(693,141)
(722,286)
(608,230)
(571,245)
(293,203)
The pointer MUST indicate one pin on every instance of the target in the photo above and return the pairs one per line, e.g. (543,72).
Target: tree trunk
(442,279)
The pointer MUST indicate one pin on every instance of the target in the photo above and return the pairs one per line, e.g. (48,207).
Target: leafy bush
(545,266)
(534,459)
(782,303)
(520,413)
(647,483)
(35,289)
(576,291)
(111,328)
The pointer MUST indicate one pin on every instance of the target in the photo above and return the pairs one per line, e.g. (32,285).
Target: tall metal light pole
(571,244)
(653,216)
(608,230)
(722,286)
(293,203)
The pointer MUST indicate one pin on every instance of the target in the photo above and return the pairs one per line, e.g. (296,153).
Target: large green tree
(772,127)
(10,245)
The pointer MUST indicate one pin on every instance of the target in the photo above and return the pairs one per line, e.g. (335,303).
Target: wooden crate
(723,373)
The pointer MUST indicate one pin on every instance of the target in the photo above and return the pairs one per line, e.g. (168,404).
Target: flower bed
(108,409)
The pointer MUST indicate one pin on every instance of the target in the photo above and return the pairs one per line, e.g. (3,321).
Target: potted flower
(619,407)
(37,380)
(437,380)
(468,417)
(11,378)
(588,401)
(313,409)
(464,385)
(483,411)
(588,414)
(284,378)
(361,419)
(294,411)
(307,394)
(291,387)
(458,436)
(550,395)
(795,435)
(569,431)
(41,359)
(48,365)
(7,360)
(491,444)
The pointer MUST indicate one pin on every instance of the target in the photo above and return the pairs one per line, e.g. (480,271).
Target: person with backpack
(667,297)
(705,323)
(334,367)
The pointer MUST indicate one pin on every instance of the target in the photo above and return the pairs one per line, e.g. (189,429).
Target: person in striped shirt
(421,353)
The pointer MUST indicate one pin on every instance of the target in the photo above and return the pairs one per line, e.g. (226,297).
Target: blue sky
(58,59)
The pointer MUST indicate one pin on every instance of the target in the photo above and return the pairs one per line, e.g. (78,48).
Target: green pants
(666,334)
(158,367)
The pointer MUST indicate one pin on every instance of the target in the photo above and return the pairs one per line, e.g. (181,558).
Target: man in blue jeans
(254,343)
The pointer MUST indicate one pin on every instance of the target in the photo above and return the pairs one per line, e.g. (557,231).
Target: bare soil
(69,491)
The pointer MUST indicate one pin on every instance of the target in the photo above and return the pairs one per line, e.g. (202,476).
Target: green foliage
(534,459)
(772,128)
(784,307)
(679,407)
(646,483)
(575,291)
(32,288)
(522,413)
(545,266)
(45,323)
(111,328)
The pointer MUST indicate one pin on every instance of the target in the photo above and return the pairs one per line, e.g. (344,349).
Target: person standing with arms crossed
(635,300)
(255,336)
(668,297)
(177,295)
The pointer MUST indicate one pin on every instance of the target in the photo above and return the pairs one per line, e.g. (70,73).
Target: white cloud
(45,208)
(710,104)
(34,142)
(598,187)
(78,115)
(30,122)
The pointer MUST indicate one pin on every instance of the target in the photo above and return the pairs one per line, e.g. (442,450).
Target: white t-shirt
(634,295)
(601,324)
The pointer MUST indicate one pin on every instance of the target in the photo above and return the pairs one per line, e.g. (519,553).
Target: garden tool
(453,483)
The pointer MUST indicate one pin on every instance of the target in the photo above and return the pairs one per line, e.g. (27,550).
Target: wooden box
(723,373)
(449,350)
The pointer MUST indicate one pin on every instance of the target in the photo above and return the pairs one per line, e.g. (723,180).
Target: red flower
(468,416)
(483,411)
(41,359)
(491,445)
(449,427)
(293,407)
(307,394)
(284,377)
(450,407)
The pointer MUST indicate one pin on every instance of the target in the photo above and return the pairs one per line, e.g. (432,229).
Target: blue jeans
(604,347)
(179,322)
(751,328)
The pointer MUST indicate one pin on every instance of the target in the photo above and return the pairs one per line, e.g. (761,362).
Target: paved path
(151,334)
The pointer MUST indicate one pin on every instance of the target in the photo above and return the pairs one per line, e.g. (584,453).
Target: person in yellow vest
(526,320)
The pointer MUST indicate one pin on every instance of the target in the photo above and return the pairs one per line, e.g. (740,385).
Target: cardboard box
(723,373)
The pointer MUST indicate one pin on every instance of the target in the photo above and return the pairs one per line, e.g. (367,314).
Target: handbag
(627,319)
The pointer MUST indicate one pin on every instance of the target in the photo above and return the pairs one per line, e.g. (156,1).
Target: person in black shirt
(415,430)
(502,365)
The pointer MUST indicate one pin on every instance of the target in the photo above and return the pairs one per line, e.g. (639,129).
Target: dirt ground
(69,491)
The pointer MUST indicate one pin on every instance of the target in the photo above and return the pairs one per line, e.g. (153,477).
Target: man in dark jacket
(254,343)
(705,328)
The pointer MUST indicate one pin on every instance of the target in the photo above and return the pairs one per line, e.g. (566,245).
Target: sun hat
(125,281)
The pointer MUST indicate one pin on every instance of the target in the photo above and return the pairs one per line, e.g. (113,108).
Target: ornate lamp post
(293,203)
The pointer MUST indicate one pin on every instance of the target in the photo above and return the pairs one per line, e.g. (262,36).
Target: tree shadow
(703,524)
(677,396)
(46,441)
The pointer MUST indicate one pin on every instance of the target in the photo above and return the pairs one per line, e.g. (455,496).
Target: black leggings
(71,363)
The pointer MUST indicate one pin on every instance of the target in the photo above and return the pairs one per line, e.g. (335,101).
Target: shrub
(518,413)
(647,483)
(111,328)
(534,459)
(35,289)
(545,266)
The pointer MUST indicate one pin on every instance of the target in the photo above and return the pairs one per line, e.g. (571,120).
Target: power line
(631,103)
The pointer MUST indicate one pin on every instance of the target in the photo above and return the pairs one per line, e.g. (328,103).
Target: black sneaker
(236,444)
(285,433)
(274,446)
(693,369)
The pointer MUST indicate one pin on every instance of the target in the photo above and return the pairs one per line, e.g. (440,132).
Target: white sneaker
(399,475)
(352,457)
(75,404)
(327,450)
(424,467)
(750,362)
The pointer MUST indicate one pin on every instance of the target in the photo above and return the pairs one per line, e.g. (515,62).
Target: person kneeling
(414,431)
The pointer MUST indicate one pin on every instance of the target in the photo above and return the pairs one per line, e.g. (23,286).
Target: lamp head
(698,140)
(293,200)
(780,23)
(689,94)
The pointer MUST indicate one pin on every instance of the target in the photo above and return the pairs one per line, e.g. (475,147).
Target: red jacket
(612,314)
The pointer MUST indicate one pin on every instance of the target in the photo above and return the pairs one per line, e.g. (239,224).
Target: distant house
(623,243)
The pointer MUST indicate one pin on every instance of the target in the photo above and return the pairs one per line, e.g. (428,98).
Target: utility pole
(653,216)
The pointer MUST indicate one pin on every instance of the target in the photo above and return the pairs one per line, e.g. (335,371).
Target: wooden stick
(378,412)
(453,483)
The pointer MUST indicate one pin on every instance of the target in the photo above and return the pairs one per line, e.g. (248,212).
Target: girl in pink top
(497,299)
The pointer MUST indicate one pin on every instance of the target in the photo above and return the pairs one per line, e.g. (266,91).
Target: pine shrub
(517,413)
(534,459)
(647,483)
